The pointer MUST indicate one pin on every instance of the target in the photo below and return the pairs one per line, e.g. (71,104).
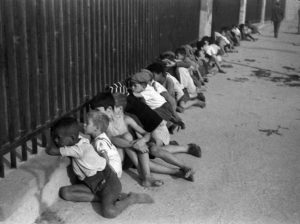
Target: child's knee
(109,212)
(64,193)
(156,151)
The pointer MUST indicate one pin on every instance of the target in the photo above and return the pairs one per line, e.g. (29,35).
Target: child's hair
(207,38)
(99,119)
(200,44)
(69,124)
(120,100)
(103,100)
(156,67)
(167,55)
(180,50)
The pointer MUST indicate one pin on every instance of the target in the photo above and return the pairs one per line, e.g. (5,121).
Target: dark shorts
(105,184)
(185,97)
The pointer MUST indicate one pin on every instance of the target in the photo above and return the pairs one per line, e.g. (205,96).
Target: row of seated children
(213,48)
(135,126)
(98,165)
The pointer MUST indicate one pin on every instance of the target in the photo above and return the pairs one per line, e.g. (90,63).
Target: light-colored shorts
(161,133)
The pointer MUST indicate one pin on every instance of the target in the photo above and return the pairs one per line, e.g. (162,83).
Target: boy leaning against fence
(98,182)
(96,126)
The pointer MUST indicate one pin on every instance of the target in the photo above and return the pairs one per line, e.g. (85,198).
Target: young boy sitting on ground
(96,127)
(142,89)
(99,182)
(211,52)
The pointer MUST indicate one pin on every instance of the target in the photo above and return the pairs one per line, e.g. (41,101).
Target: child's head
(104,102)
(158,71)
(140,80)
(120,100)
(201,45)
(103,99)
(180,53)
(97,123)
(167,55)
(65,132)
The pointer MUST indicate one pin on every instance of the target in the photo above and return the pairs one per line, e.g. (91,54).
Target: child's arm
(52,149)
(139,144)
(169,99)
(120,142)
(103,154)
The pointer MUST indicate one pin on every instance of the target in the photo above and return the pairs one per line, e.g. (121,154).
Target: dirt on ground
(250,136)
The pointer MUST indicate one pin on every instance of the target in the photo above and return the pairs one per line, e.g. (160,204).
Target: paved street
(250,136)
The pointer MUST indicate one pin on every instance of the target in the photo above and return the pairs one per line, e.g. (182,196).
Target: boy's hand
(140,145)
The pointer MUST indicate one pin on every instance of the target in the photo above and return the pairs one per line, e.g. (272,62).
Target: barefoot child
(97,125)
(99,183)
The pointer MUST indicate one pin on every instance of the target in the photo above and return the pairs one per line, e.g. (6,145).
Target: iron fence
(55,55)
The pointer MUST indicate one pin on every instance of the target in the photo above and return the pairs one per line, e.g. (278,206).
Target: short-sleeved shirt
(148,117)
(177,87)
(103,143)
(212,49)
(152,98)
(187,81)
(85,160)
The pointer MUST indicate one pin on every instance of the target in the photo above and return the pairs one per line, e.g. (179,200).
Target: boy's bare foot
(140,198)
(179,109)
(151,182)
(194,150)
(222,71)
(188,174)
(122,196)
(201,104)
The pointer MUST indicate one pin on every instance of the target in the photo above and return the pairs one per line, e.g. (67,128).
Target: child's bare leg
(77,193)
(112,204)
(192,102)
(191,149)
(186,173)
(141,161)
(166,156)
(147,179)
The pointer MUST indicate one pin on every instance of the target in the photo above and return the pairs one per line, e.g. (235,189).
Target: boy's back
(102,142)
(86,161)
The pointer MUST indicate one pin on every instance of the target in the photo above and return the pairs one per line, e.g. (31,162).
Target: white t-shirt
(212,49)
(103,143)
(187,81)
(178,88)
(152,98)
(85,160)
(217,34)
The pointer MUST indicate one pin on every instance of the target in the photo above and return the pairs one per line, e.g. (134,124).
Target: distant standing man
(277,17)
(299,21)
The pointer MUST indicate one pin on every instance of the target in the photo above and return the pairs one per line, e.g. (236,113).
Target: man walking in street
(277,17)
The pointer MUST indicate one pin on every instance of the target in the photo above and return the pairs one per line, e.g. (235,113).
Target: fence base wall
(32,188)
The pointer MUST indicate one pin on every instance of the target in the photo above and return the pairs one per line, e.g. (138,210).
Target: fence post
(243,6)
(263,12)
(205,23)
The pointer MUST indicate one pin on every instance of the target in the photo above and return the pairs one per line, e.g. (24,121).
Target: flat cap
(144,76)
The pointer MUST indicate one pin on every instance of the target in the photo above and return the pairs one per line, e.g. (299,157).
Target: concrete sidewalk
(250,136)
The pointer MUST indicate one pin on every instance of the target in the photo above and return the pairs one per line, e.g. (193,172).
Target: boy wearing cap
(142,89)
